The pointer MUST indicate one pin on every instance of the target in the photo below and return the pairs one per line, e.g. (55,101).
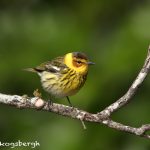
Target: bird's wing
(54,66)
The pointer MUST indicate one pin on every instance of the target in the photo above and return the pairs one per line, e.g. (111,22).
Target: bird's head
(77,61)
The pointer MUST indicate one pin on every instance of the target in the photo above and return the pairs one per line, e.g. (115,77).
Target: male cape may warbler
(63,76)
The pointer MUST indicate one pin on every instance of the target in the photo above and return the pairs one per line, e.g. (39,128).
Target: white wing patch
(56,68)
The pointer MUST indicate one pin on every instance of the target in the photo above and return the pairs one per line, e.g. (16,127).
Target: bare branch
(102,117)
(125,99)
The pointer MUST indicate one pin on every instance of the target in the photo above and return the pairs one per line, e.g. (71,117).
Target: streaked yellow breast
(62,85)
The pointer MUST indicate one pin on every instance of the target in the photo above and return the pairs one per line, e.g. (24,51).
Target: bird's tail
(30,69)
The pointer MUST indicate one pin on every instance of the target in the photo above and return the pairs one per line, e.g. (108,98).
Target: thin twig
(125,99)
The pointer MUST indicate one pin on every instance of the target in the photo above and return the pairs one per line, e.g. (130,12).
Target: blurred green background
(114,34)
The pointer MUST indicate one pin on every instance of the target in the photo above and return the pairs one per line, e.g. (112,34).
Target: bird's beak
(90,63)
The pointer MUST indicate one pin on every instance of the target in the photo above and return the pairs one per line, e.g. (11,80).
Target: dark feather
(80,55)
(52,66)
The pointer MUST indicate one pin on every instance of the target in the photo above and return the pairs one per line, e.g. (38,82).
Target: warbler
(64,75)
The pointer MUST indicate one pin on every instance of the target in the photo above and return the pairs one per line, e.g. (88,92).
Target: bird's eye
(79,62)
